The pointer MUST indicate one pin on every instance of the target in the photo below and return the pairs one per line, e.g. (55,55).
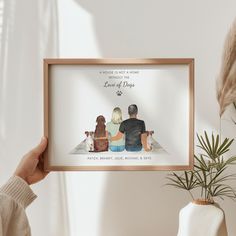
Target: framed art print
(119,114)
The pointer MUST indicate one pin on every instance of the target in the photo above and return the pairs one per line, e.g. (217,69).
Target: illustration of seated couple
(129,135)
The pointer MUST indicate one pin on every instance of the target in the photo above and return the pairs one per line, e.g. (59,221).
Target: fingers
(40,148)
(41,166)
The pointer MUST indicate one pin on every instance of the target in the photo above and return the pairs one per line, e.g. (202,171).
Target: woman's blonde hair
(116,116)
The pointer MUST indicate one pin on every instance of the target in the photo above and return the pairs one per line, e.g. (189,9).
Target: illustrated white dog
(89,141)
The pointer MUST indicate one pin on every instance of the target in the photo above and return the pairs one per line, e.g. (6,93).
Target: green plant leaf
(208,174)
(208,143)
(231,160)
(225,145)
(216,144)
(225,148)
(203,144)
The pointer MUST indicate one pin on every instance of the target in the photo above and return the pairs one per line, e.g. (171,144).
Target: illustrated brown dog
(100,136)
(100,130)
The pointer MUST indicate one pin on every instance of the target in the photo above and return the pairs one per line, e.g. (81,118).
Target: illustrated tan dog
(150,140)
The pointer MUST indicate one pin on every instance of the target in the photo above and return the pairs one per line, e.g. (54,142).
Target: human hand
(30,167)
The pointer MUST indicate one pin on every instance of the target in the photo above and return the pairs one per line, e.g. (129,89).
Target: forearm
(18,190)
(117,137)
(15,196)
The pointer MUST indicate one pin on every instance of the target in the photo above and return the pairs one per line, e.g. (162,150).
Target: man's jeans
(133,149)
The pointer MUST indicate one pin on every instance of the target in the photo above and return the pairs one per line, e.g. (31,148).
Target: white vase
(201,218)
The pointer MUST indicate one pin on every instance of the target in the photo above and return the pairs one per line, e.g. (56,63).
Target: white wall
(111,203)
(136,203)
(26,37)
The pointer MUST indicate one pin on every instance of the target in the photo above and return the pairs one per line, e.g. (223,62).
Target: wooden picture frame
(78,90)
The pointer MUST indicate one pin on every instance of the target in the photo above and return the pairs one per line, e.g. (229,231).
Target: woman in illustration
(113,128)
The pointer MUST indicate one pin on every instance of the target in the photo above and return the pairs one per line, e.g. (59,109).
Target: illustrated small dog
(89,141)
(150,140)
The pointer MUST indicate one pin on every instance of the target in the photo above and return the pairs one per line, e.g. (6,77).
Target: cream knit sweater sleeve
(15,196)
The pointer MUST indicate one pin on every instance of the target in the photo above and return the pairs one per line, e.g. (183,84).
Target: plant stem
(191,194)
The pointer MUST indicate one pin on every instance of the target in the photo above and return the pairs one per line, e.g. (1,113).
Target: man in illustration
(134,131)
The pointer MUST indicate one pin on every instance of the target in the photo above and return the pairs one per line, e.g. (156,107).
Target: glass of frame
(119,114)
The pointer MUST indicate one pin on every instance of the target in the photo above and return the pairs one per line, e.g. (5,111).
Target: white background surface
(106,203)
(77,96)
(136,203)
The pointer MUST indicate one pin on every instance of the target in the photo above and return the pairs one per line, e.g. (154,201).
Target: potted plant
(209,180)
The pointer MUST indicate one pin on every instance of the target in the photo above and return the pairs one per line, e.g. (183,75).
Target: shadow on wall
(163,29)
(132,28)
(1,21)
(28,34)
(136,203)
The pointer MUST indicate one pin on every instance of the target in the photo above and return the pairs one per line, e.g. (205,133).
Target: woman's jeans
(117,148)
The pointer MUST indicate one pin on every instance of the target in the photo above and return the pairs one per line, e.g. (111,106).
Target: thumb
(40,148)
